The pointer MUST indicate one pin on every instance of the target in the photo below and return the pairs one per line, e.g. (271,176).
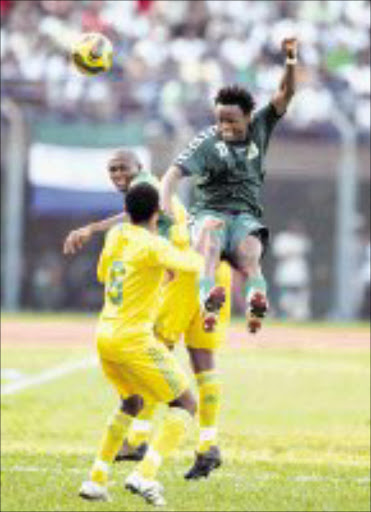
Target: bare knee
(249,254)
(207,241)
(185,401)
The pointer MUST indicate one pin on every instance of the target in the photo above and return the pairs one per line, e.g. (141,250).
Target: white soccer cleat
(92,491)
(150,490)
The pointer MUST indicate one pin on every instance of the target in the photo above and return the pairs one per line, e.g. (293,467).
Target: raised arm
(282,97)
(175,259)
(77,238)
(167,188)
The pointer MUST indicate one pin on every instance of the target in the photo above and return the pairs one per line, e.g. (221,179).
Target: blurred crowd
(171,56)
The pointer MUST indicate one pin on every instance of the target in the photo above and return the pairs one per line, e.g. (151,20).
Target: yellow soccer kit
(132,266)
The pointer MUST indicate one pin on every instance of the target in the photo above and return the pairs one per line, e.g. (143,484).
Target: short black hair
(141,202)
(236,95)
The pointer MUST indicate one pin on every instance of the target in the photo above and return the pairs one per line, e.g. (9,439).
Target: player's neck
(149,226)
(242,139)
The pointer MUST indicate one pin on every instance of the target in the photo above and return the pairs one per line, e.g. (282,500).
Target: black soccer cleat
(204,464)
(134,454)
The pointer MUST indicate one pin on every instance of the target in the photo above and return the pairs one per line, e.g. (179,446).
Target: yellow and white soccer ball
(92,53)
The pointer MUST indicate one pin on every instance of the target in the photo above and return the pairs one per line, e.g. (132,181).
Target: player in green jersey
(227,162)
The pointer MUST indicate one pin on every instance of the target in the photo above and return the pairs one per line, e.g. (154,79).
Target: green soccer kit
(229,178)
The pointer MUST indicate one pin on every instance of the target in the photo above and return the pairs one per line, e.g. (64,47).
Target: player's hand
(169,276)
(76,239)
(290,47)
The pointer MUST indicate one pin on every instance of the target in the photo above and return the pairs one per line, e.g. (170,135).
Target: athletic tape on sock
(207,434)
(101,465)
(141,425)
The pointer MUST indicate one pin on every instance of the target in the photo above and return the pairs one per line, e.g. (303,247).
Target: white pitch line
(48,375)
(226,474)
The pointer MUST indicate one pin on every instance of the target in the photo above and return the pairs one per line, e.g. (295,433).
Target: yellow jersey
(132,266)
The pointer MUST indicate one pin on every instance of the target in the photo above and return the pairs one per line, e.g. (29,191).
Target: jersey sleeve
(192,159)
(102,266)
(164,254)
(103,260)
(264,122)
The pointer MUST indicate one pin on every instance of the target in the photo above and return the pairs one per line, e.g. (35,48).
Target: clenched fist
(290,47)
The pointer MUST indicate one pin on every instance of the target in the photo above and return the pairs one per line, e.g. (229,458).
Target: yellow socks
(209,389)
(117,427)
(169,436)
(140,429)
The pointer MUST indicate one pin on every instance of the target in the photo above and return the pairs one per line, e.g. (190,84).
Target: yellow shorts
(180,313)
(136,364)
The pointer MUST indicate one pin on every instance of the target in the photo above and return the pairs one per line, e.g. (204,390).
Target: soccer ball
(92,53)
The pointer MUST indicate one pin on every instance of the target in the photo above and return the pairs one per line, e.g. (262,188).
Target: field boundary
(72,333)
(48,375)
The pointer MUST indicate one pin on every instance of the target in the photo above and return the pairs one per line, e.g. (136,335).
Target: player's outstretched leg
(249,253)
(95,489)
(211,297)
(142,480)
(208,380)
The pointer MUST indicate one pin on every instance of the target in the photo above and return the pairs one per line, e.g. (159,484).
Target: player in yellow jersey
(179,314)
(132,267)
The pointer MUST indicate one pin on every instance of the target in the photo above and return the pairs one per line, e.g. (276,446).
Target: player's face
(122,170)
(232,122)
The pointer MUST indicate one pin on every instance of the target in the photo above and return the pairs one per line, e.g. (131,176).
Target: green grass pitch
(294,431)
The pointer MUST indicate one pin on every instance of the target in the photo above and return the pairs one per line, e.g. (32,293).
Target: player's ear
(155,218)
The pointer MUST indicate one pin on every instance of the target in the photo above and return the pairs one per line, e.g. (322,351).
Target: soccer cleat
(211,307)
(128,453)
(94,492)
(150,490)
(204,464)
(256,311)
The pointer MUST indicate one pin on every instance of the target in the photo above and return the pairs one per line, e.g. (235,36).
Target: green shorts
(237,226)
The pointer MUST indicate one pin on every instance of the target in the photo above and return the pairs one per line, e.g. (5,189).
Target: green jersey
(145,176)
(229,175)
(164,222)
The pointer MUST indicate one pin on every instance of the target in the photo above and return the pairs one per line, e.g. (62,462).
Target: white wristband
(291,61)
